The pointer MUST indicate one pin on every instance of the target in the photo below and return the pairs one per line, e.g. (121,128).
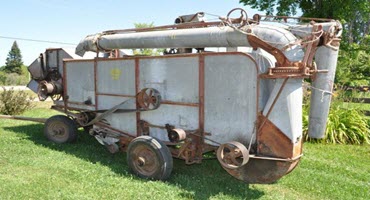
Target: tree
(354,14)
(14,61)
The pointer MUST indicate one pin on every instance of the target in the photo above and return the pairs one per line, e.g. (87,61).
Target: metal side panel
(176,78)
(116,77)
(79,84)
(63,55)
(107,102)
(183,117)
(264,61)
(287,112)
(231,83)
(122,121)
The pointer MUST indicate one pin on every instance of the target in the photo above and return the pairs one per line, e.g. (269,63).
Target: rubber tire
(163,155)
(64,122)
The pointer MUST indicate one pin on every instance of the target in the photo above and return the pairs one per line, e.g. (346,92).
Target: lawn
(33,168)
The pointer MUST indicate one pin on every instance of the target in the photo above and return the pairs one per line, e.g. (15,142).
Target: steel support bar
(40,120)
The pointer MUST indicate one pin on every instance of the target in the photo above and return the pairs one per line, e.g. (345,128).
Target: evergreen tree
(14,60)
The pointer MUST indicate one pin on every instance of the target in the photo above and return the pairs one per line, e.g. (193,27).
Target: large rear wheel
(60,129)
(149,158)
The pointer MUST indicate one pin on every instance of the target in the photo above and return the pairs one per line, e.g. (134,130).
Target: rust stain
(273,142)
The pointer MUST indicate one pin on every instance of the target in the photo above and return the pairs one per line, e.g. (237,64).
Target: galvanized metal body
(248,105)
(230,90)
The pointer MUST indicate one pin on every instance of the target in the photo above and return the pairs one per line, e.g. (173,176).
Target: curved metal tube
(189,38)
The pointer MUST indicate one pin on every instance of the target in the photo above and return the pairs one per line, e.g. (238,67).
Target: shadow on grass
(200,181)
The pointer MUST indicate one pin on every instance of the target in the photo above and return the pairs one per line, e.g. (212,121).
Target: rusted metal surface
(189,150)
(272,142)
(83,118)
(114,129)
(283,67)
(281,59)
(199,141)
(115,95)
(96,82)
(148,98)
(139,125)
(262,171)
(124,142)
(180,103)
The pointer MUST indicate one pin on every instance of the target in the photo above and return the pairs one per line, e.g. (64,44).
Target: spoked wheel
(149,99)
(60,129)
(243,17)
(149,158)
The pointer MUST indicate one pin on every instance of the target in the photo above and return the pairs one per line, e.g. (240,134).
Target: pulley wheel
(149,99)
(232,155)
(176,135)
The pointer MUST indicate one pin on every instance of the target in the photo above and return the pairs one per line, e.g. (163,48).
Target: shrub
(344,125)
(14,102)
(7,78)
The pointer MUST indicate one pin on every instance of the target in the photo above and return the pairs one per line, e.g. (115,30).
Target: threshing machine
(232,87)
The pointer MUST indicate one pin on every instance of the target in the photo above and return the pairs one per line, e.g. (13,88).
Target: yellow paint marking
(115,73)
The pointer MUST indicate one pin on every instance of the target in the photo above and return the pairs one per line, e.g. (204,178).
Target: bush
(14,102)
(344,125)
(7,78)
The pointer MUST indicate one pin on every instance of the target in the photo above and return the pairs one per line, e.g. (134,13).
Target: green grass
(360,106)
(33,168)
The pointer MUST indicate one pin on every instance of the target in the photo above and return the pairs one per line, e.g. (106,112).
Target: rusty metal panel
(80,82)
(230,97)
(116,77)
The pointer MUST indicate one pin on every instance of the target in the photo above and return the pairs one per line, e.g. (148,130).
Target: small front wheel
(149,158)
(60,129)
